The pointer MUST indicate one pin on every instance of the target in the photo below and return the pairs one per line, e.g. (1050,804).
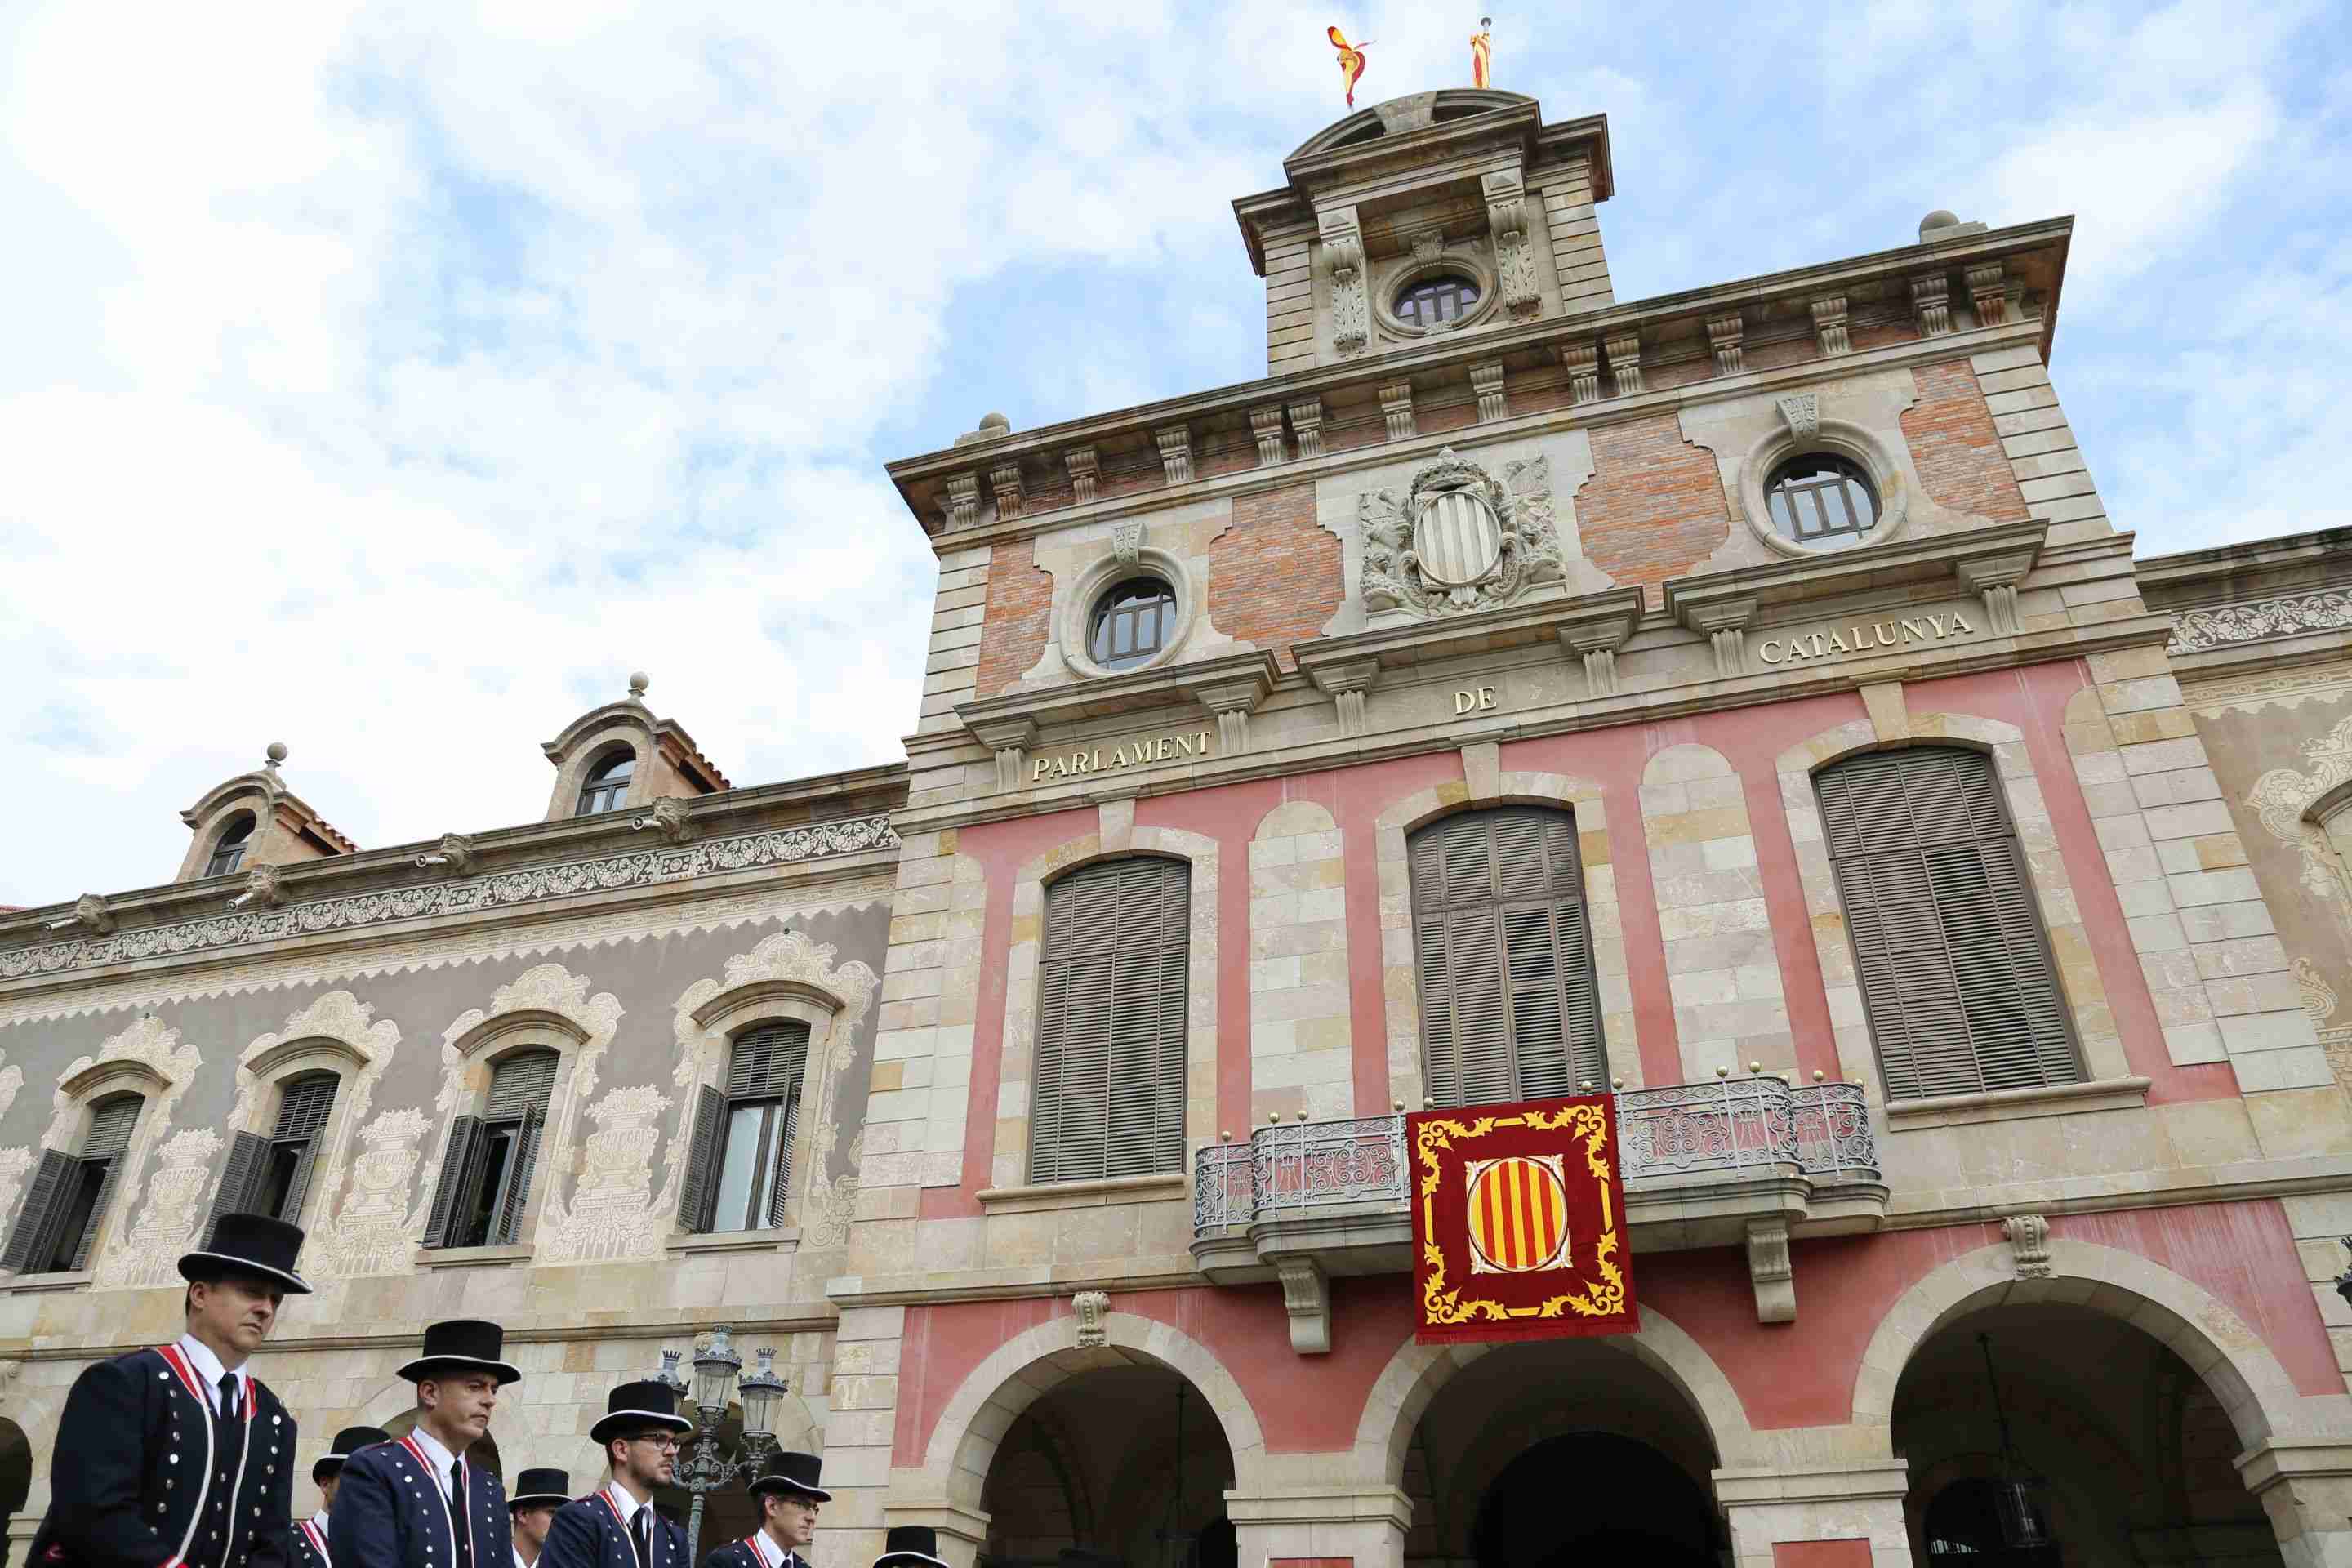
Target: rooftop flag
(1352,62)
(1482,53)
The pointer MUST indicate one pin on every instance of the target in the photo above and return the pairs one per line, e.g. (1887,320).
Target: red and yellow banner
(1519,1216)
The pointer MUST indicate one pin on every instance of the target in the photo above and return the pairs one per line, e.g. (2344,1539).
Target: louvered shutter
(701,1160)
(1107,1089)
(111,1123)
(465,1144)
(767,1062)
(526,1162)
(303,1114)
(1957,981)
(778,1195)
(248,1153)
(518,1085)
(1510,1005)
(33,1239)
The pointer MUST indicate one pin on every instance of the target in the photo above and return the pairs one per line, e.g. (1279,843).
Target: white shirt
(209,1372)
(518,1556)
(765,1546)
(623,1503)
(439,1457)
(318,1522)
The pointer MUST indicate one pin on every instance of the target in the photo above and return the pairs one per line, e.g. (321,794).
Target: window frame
(62,1242)
(773,1187)
(597,782)
(1115,601)
(233,843)
(1780,484)
(1411,289)
(504,1210)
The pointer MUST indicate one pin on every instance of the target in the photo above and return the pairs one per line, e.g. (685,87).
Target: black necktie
(228,1395)
(462,1547)
(637,1522)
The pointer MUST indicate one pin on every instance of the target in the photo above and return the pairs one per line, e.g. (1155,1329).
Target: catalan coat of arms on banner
(1519,1216)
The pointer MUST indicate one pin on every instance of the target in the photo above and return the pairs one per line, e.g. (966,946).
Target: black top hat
(458,1345)
(647,1404)
(348,1441)
(910,1543)
(249,1244)
(541,1489)
(793,1473)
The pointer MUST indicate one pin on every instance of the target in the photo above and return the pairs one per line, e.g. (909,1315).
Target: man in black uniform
(178,1456)
(537,1495)
(787,1497)
(419,1503)
(311,1535)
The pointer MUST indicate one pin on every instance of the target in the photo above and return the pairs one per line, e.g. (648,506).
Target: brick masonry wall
(1275,576)
(1955,447)
(1654,508)
(1019,617)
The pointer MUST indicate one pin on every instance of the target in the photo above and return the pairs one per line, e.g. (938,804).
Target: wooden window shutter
(1106,1095)
(788,1116)
(526,1165)
(1503,945)
(248,1153)
(767,1061)
(34,1236)
(465,1143)
(702,1160)
(518,1085)
(307,1103)
(97,1211)
(1958,980)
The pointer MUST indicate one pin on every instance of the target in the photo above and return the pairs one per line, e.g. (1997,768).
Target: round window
(1821,499)
(1132,622)
(1437,301)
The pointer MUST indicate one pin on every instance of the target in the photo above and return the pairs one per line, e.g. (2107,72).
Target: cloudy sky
(393,379)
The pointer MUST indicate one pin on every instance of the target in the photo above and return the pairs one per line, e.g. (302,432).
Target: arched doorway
(1119,1467)
(2118,1451)
(1546,1455)
(15,1478)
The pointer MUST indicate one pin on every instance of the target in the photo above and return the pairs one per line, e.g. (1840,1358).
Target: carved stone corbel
(1771,1271)
(1343,259)
(669,817)
(1625,363)
(1486,381)
(1092,1307)
(2029,1244)
(455,854)
(1931,302)
(1507,220)
(1175,452)
(1010,739)
(963,500)
(1723,624)
(1265,428)
(1803,415)
(1307,424)
(1346,684)
(1307,1297)
(1583,363)
(1994,579)
(1005,480)
(1829,325)
(1593,632)
(1080,461)
(1127,542)
(1233,702)
(1724,335)
(1988,292)
(1396,407)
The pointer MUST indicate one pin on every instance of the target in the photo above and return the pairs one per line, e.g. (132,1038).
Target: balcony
(1748,1161)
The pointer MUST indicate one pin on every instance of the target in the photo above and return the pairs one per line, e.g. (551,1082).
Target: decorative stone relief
(671,816)
(1486,381)
(149,1251)
(1514,256)
(263,886)
(963,500)
(1988,292)
(12,1078)
(2195,630)
(1771,1271)
(534,884)
(1724,335)
(1396,409)
(91,913)
(1175,453)
(1127,542)
(455,855)
(1307,424)
(1459,539)
(1266,429)
(2029,1244)
(1625,363)
(610,1216)
(1830,325)
(376,1226)
(342,1017)
(2319,998)
(146,1042)
(2281,797)
(1931,302)
(1080,461)
(1803,415)
(1582,362)
(1343,258)
(16,1164)
(1090,1306)
(1004,482)
(1307,1297)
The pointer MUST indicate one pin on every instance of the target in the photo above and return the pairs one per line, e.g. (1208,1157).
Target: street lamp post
(703,1468)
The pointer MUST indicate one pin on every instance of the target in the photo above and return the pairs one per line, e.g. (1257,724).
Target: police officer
(311,1535)
(417,1503)
(615,1526)
(178,1454)
(787,1497)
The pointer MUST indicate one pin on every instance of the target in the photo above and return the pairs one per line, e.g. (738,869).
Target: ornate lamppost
(702,1467)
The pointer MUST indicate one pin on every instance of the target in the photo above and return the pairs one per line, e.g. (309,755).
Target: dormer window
(1438,301)
(228,854)
(608,783)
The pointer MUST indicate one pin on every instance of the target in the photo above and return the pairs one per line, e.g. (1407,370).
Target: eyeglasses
(666,1440)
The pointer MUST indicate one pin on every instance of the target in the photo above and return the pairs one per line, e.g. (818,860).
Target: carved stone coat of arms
(1459,539)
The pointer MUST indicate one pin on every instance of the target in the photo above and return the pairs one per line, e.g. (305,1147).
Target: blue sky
(392,380)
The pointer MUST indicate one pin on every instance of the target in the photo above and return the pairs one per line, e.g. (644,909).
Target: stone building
(1740,700)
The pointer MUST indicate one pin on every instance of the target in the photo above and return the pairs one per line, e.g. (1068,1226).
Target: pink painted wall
(1820,1555)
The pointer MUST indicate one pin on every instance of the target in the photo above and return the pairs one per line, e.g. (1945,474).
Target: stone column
(1827,1508)
(1337,1526)
(962,1531)
(2307,1489)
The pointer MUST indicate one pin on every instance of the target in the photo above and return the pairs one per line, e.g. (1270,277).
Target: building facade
(1739,701)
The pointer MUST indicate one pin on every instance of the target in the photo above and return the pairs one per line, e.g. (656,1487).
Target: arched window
(739,1173)
(229,851)
(1821,499)
(59,1222)
(271,1174)
(486,1176)
(608,783)
(1132,622)
(1956,976)
(1435,302)
(1510,1003)
(1107,1094)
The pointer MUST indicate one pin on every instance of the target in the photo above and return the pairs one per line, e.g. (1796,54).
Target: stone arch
(1115,836)
(982,1410)
(2217,1344)
(2078,974)
(1480,788)
(1417,1371)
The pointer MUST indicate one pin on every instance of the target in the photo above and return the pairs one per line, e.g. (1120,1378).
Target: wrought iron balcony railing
(1822,1130)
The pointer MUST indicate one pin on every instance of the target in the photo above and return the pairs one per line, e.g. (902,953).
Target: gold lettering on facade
(1794,649)
(1473,699)
(1132,753)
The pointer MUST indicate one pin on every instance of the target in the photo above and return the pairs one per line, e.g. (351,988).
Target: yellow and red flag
(1482,53)
(1352,62)
(1518,1222)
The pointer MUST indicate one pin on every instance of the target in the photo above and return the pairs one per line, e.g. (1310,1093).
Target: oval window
(1821,499)
(1132,622)
(1437,301)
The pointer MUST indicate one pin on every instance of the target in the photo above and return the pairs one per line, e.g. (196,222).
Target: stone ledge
(505,1256)
(65,1279)
(1807,1484)
(2017,1104)
(784,1237)
(1047,1196)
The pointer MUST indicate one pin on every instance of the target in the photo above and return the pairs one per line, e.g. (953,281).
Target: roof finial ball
(638,681)
(1942,217)
(276,754)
